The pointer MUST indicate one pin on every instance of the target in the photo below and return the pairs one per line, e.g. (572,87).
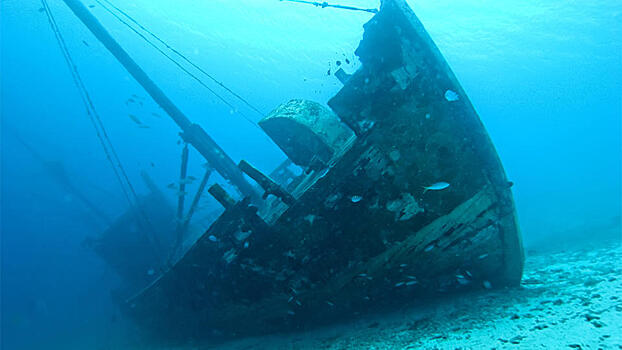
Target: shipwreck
(357,230)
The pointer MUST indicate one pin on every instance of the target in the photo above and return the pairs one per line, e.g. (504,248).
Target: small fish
(338,63)
(462,280)
(191,178)
(347,61)
(185,181)
(212,238)
(356,199)
(130,100)
(483,256)
(91,6)
(290,299)
(451,96)
(330,303)
(150,272)
(181,193)
(291,313)
(156,115)
(135,119)
(487,284)
(429,247)
(328,73)
(436,187)
(152,164)
(143,126)
(298,303)
(246,244)
(41,9)
(362,275)
(399,284)
(85,43)
(410,283)
(171,186)
(403,265)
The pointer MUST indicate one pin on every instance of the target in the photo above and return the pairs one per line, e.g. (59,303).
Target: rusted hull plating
(362,234)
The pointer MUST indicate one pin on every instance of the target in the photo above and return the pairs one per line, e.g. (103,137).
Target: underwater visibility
(292,174)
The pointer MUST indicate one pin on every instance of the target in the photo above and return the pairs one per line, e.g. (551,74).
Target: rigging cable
(102,135)
(187,59)
(233,108)
(325,5)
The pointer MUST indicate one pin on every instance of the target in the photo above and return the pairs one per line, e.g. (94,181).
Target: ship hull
(363,233)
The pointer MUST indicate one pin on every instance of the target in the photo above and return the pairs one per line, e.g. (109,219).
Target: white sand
(568,299)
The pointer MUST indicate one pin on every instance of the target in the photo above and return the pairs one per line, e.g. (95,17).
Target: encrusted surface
(364,234)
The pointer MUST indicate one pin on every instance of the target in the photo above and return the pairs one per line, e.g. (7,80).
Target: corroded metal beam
(192,133)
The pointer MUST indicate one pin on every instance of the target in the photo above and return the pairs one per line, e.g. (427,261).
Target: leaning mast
(191,133)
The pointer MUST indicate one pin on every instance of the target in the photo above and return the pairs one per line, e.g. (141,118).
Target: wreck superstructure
(356,230)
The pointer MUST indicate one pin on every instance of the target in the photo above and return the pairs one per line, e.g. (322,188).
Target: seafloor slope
(569,299)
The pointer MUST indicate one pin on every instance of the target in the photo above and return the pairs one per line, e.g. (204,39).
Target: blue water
(545,78)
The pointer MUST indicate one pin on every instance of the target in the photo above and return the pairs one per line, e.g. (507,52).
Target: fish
(462,280)
(150,272)
(135,119)
(436,186)
(451,96)
(185,181)
(85,43)
(212,238)
(171,185)
(347,61)
(191,178)
(156,115)
(356,199)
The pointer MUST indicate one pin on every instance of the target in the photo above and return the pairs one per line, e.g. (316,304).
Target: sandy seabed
(569,299)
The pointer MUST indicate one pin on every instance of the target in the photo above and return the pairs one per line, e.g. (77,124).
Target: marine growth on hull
(401,195)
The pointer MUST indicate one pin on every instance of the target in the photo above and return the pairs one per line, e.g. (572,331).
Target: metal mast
(192,133)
